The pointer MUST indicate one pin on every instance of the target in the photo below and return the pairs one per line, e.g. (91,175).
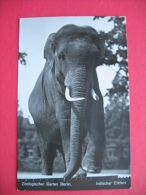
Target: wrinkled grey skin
(77,127)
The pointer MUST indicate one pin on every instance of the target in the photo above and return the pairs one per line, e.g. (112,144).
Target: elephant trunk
(78,89)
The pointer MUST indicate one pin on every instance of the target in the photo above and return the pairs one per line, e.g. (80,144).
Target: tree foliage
(117,109)
(21,57)
(19,116)
(116,54)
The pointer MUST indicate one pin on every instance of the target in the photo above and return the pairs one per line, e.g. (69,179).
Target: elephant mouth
(70,99)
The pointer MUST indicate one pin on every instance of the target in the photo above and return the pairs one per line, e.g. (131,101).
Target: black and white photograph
(73,128)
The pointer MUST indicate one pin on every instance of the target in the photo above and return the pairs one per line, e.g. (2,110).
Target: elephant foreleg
(81,172)
(65,136)
(63,118)
(92,161)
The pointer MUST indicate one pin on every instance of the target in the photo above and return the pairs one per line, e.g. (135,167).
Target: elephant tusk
(94,95)
(70,99)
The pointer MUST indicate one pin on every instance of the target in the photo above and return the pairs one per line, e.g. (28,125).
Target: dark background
(10,12)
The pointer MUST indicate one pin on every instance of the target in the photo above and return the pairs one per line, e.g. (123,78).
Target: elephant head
(73,53)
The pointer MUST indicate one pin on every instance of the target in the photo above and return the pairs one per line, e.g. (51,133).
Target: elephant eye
(61,56)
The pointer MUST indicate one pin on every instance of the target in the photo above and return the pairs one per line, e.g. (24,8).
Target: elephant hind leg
(48,155)
(48,152)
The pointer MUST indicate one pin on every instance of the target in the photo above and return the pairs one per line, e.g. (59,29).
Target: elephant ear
(101,50)
(49,49)
(100,44)
(49,52)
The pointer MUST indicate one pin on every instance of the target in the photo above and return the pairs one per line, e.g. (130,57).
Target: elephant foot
(46,172)
(80,173)
(95,169)
(91,168)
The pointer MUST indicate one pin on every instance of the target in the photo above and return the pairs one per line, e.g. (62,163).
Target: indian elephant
(66,103)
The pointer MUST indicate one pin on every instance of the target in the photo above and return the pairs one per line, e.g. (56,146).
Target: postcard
(73,130)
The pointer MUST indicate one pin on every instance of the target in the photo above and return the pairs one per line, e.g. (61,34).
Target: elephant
(66,102)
